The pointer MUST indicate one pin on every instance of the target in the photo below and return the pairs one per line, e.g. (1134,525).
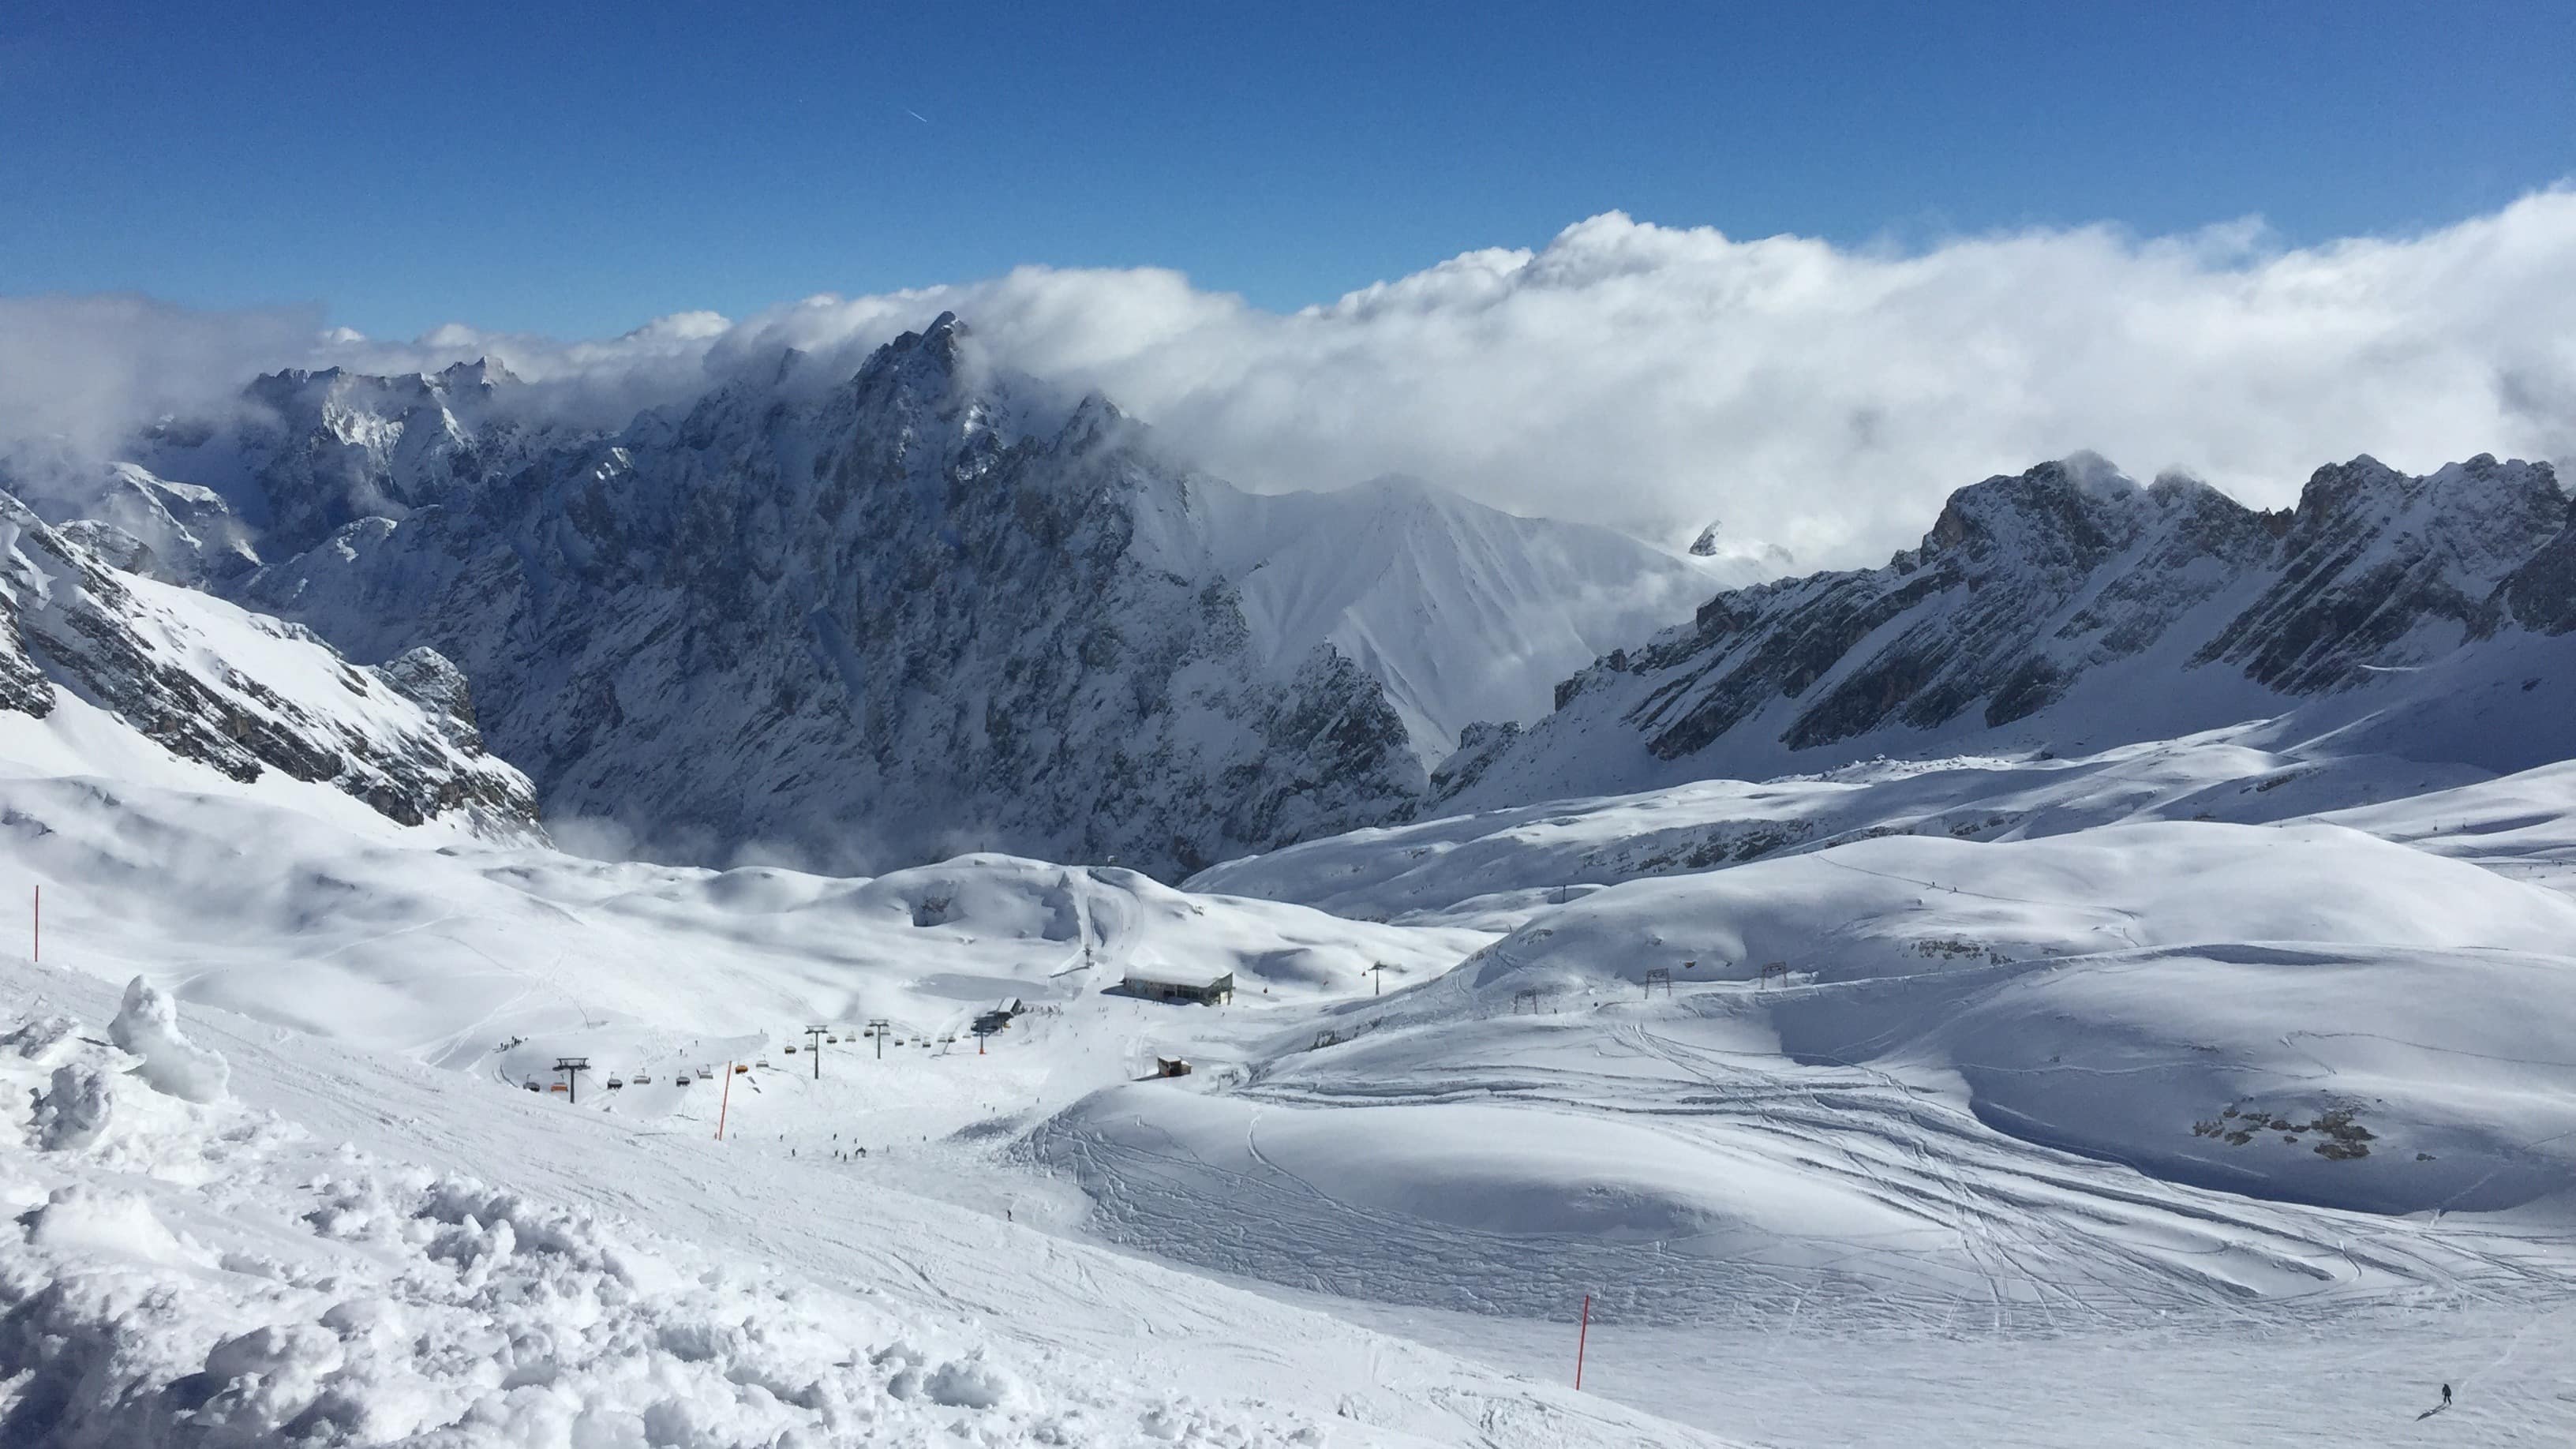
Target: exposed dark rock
(2027,586)
(71,620)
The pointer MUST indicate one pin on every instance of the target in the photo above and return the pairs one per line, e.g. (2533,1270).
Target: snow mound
(147,1025)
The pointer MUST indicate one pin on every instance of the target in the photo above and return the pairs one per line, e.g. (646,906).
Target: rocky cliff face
(237,692)
(313,452)
(2066,601)
(921,611)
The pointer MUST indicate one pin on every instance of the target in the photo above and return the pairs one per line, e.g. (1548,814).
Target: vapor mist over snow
(1820,397)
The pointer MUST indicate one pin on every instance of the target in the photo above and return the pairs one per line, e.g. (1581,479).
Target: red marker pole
(725,1102)
(1579,1338)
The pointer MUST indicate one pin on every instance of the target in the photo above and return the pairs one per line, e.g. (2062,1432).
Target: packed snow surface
(2199,1091)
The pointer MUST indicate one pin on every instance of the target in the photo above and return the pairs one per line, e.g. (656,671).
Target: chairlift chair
(764,1061)
(533,1086)
(642,1080)
(616,1082)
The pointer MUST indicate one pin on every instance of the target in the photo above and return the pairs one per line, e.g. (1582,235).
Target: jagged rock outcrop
(2372,559)
(872,618)
(2175,607)
(316,451)
(235,691)
(922,611)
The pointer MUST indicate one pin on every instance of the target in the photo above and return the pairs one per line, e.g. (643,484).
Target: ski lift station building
(1205,985)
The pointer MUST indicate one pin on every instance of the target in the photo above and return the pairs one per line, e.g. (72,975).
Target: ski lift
(834,1040)
(558,1087)
(706,1072)
(643,1080)
(533,1085)
(682,1079)
(791,1049)
(764,1061)
(615,1083)
(741,1067)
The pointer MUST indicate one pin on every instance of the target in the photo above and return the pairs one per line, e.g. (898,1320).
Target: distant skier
(2437,1408)
(2446,1396)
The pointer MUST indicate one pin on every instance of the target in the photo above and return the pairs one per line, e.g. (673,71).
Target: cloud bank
(1819,397)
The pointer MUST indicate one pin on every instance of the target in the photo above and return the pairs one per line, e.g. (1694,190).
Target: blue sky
(577,169)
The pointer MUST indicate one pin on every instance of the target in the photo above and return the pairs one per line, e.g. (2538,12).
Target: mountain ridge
(911,581)
(2031,594)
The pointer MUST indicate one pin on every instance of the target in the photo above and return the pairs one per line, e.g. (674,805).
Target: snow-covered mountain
(107,672)
(2071,608)
(307,453)
(928,608)
(878,621)
(1462,612)
(1810,1100)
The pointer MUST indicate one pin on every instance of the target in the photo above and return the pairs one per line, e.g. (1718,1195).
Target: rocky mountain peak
(2068,513)
(2032,588)
(483,374)
(929,610)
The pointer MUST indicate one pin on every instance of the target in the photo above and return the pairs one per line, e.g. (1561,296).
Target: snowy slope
(1497,867)
(103,671)
(444,954)
(276,1267)
(2126,1105)
(2522,826)
(1463,612)
(1969,1118)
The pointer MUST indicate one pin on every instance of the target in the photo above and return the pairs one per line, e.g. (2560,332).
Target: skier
(2446,1396)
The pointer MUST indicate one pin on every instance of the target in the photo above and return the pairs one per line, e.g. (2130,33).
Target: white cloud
(1821,397)
(80,371)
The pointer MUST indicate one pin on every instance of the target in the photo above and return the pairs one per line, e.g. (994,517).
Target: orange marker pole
(725,1104)
(1579,1337)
